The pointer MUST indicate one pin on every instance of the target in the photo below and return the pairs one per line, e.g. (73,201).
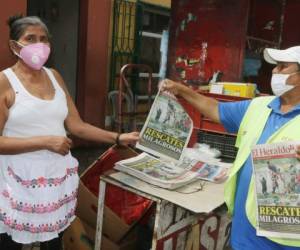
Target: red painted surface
(291,31)
(264,23)
(10,8)
(264,19)
(222,24)
(225,25)
(93,60)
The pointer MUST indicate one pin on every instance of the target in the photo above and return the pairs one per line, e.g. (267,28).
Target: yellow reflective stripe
(257,108)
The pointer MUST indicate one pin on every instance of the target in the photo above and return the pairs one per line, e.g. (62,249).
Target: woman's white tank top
(38,189)
(33,116)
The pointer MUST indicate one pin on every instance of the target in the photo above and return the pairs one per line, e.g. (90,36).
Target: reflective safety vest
(249,132)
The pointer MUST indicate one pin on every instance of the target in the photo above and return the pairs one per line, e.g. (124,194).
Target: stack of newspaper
(165,136)
(170,175)
(157,172)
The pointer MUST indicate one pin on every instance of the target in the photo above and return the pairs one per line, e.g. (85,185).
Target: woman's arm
(83,130)
(13,145)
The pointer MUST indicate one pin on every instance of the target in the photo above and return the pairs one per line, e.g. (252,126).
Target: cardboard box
(113,226)
(81,233)
(80,236)
(234,89)
(75,237)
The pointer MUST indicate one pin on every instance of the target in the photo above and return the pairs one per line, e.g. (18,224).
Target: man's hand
(174,87)
(207,106)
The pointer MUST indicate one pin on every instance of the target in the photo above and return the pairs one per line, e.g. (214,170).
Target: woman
(38,175)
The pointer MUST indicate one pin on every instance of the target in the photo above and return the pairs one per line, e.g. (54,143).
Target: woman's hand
(128,138)
(171,86)
(58,144)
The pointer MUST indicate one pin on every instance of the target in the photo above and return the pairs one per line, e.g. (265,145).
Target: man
(257,121)
(263,182)
(275,173)
(158,114)
(170,112)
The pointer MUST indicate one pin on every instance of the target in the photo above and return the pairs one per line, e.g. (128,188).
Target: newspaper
(165,135)
(212,171)
(277,182)
(170,175)
(167,129)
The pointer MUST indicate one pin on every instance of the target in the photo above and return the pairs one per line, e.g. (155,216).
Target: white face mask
(278,84)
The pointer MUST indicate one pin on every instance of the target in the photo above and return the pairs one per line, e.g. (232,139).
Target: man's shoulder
(241,104)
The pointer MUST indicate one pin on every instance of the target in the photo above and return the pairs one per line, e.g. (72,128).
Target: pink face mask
(34,55)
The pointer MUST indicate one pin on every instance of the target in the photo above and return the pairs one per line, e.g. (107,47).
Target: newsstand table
(191,217)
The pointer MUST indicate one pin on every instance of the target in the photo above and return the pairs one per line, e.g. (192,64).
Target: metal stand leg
(100,213)
(156,225)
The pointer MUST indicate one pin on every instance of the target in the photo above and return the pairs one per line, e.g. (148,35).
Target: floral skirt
(38,195)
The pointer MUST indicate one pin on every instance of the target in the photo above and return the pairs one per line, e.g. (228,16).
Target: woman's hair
(18,24)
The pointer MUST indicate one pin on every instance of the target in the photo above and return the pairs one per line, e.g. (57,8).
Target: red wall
(93,60)
(220,23)
(224,25)
(8,9)
(263,12)
(291,31)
